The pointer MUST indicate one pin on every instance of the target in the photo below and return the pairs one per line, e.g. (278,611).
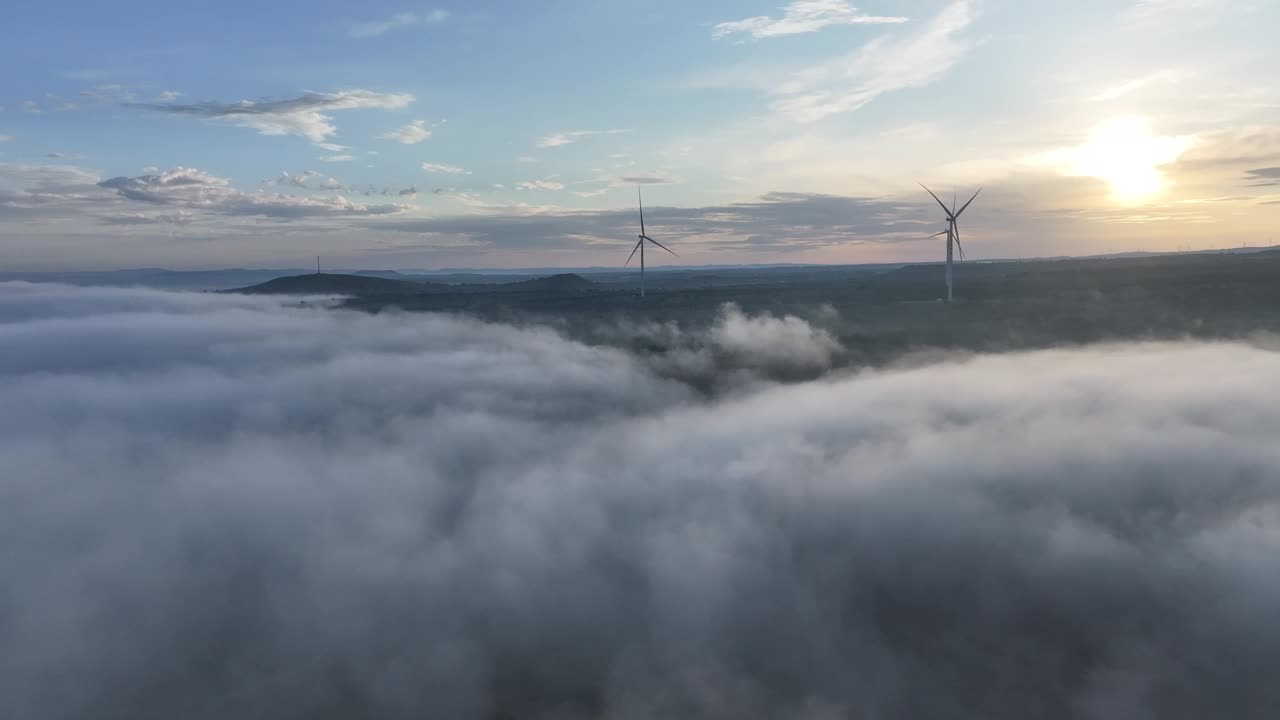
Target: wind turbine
(953,229)
(640,243)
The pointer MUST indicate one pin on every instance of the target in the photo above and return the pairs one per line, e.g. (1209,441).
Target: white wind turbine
(640,243)
(953,230)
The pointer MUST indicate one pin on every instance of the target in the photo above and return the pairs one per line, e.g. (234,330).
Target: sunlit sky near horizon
(503,134)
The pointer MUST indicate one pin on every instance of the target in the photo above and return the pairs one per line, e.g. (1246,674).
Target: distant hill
(335,284)
(562,283)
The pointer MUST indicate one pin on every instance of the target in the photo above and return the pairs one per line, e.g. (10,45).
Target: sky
(502,134)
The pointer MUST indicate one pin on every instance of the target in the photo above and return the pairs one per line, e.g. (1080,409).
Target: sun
(1124,152)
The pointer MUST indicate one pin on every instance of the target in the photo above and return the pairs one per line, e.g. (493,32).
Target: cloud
(46,188)
(227,506)
(561,139)
(608,183)
(109,93)
(304,116)
(307,180)
(410,134)
(341,157)
(645,180)
(1147,9)
(5,138)
(1168,77)
(377,28)
(444,169)
(178,218)
(539,185)
(197,190)
(1263,177)
(776,222)
(884,65)
(802,16)
(166,96)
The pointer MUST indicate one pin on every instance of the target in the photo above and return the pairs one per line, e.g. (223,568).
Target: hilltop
(336,284)
(562,283)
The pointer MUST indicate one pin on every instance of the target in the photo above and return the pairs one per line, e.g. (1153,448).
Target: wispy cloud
(778,221)
(111,93)
(1115,92)
(5,138)
(304,116)
(1263,177)
(342,157)
(197,190)
(444,169)
(410,134)
(612,182)
(561,139)
(1150,8)
(803,16)
(376,28)
(884,65)
(307,180)
(540,185)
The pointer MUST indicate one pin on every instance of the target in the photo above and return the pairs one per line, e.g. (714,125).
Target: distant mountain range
(248,277)
(374,284)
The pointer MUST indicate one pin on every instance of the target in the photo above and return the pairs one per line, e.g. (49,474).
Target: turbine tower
(953,230)
(640,243)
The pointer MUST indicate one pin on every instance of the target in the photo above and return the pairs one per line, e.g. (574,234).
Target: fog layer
(227,507)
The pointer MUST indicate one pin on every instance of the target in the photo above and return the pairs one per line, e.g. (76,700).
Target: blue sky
(514,134)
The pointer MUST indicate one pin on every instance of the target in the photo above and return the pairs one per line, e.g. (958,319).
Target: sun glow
(1125,154)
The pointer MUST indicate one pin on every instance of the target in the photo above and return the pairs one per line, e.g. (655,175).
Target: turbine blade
(975,197)
(641,199)
(944,232)
(956,232)
(655,242)
(953,204)
(633,253)
(935,197)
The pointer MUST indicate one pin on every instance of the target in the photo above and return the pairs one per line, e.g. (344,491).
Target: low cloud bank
(216,506)
(735,351)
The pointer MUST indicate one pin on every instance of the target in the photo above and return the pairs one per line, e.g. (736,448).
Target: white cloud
(803,16)
(444,169)
(1168,77)
(198,190)
(397,21)
(206,480)
(883,65)
(566,138)
(5,138)
(168,96)
(109,93)
(410,134)
(336,158)
(540,185)
(304,115)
